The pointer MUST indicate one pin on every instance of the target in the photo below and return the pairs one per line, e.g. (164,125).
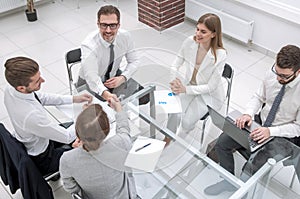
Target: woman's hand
(76,143)
(177,86)
(115,103)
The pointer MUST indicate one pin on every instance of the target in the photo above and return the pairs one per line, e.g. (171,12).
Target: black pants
(48,161)
(278,149)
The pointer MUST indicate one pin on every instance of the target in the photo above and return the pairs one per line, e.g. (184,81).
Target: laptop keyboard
(252,143)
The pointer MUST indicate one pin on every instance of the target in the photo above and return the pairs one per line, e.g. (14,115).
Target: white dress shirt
(31,122)
(287,118)
(95,58)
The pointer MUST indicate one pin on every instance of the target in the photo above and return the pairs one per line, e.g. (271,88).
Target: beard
(282,82)
(28,90)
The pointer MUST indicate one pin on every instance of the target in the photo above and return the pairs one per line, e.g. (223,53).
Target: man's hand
(243,120)
(82,98)
(115,103)
(177,86)
(114,82)
(106,95)
(260,134)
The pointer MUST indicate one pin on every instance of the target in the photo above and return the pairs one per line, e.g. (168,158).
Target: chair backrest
(228,75)
(21,170)
(72,58)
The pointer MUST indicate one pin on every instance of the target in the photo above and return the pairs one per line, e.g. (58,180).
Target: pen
(138,149)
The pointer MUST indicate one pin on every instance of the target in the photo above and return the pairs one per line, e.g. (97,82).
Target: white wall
(275,25)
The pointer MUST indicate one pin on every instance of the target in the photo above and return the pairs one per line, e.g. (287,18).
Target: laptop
(228,126)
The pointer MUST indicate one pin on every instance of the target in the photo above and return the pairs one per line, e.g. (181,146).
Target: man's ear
(21,89)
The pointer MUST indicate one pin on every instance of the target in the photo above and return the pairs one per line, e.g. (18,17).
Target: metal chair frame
(228,73)
(72,57)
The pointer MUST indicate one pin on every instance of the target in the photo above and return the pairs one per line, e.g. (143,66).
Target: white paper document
(57,116)
(167,101)
(77,107)
(145,154)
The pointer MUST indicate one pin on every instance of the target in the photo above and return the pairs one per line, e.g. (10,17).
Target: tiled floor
(61,27)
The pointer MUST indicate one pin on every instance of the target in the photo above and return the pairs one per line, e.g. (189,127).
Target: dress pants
(48,161)
(224,149)
(193,109)
(278,148)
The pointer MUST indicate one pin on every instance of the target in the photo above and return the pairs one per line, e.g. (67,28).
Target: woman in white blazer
(203,58)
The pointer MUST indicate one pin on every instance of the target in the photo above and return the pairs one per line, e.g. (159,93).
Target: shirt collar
(24,96)
(294,82)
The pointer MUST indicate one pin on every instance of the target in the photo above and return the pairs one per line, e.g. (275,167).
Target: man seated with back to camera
(102,53)
(284,75)
(33,127)
(96,168)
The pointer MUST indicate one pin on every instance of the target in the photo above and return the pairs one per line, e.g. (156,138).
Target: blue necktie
(274,108)
(111,61)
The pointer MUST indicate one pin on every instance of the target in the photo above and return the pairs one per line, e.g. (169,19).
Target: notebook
(58,116)
(228,126)
(145,153)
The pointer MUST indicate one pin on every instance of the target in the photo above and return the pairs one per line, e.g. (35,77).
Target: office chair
(19,171)
(72,58)
(227,73)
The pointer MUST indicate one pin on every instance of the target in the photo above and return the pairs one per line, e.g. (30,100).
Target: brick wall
(161,14)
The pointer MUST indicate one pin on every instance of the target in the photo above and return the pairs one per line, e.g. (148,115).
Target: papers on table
(168,101)
(58,116)
(145,154)
(109,111)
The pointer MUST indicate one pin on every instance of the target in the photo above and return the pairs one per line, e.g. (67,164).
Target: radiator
(8,5)
(232,26)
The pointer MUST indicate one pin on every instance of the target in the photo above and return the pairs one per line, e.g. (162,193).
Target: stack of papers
(168,101)
(145,154)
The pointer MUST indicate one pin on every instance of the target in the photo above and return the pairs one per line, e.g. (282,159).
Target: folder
(145,154)
(167,101)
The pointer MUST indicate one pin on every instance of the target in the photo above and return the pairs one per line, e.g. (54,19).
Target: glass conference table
(182,171)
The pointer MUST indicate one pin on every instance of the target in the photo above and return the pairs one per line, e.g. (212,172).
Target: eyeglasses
(282,76)
(112,26)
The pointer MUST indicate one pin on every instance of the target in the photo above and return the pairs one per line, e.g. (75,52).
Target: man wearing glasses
(285,122)
(102,53)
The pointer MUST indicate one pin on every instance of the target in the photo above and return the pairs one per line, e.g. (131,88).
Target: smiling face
(108,26)
(203,35)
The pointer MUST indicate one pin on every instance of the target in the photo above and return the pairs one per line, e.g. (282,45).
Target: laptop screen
(229,128)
